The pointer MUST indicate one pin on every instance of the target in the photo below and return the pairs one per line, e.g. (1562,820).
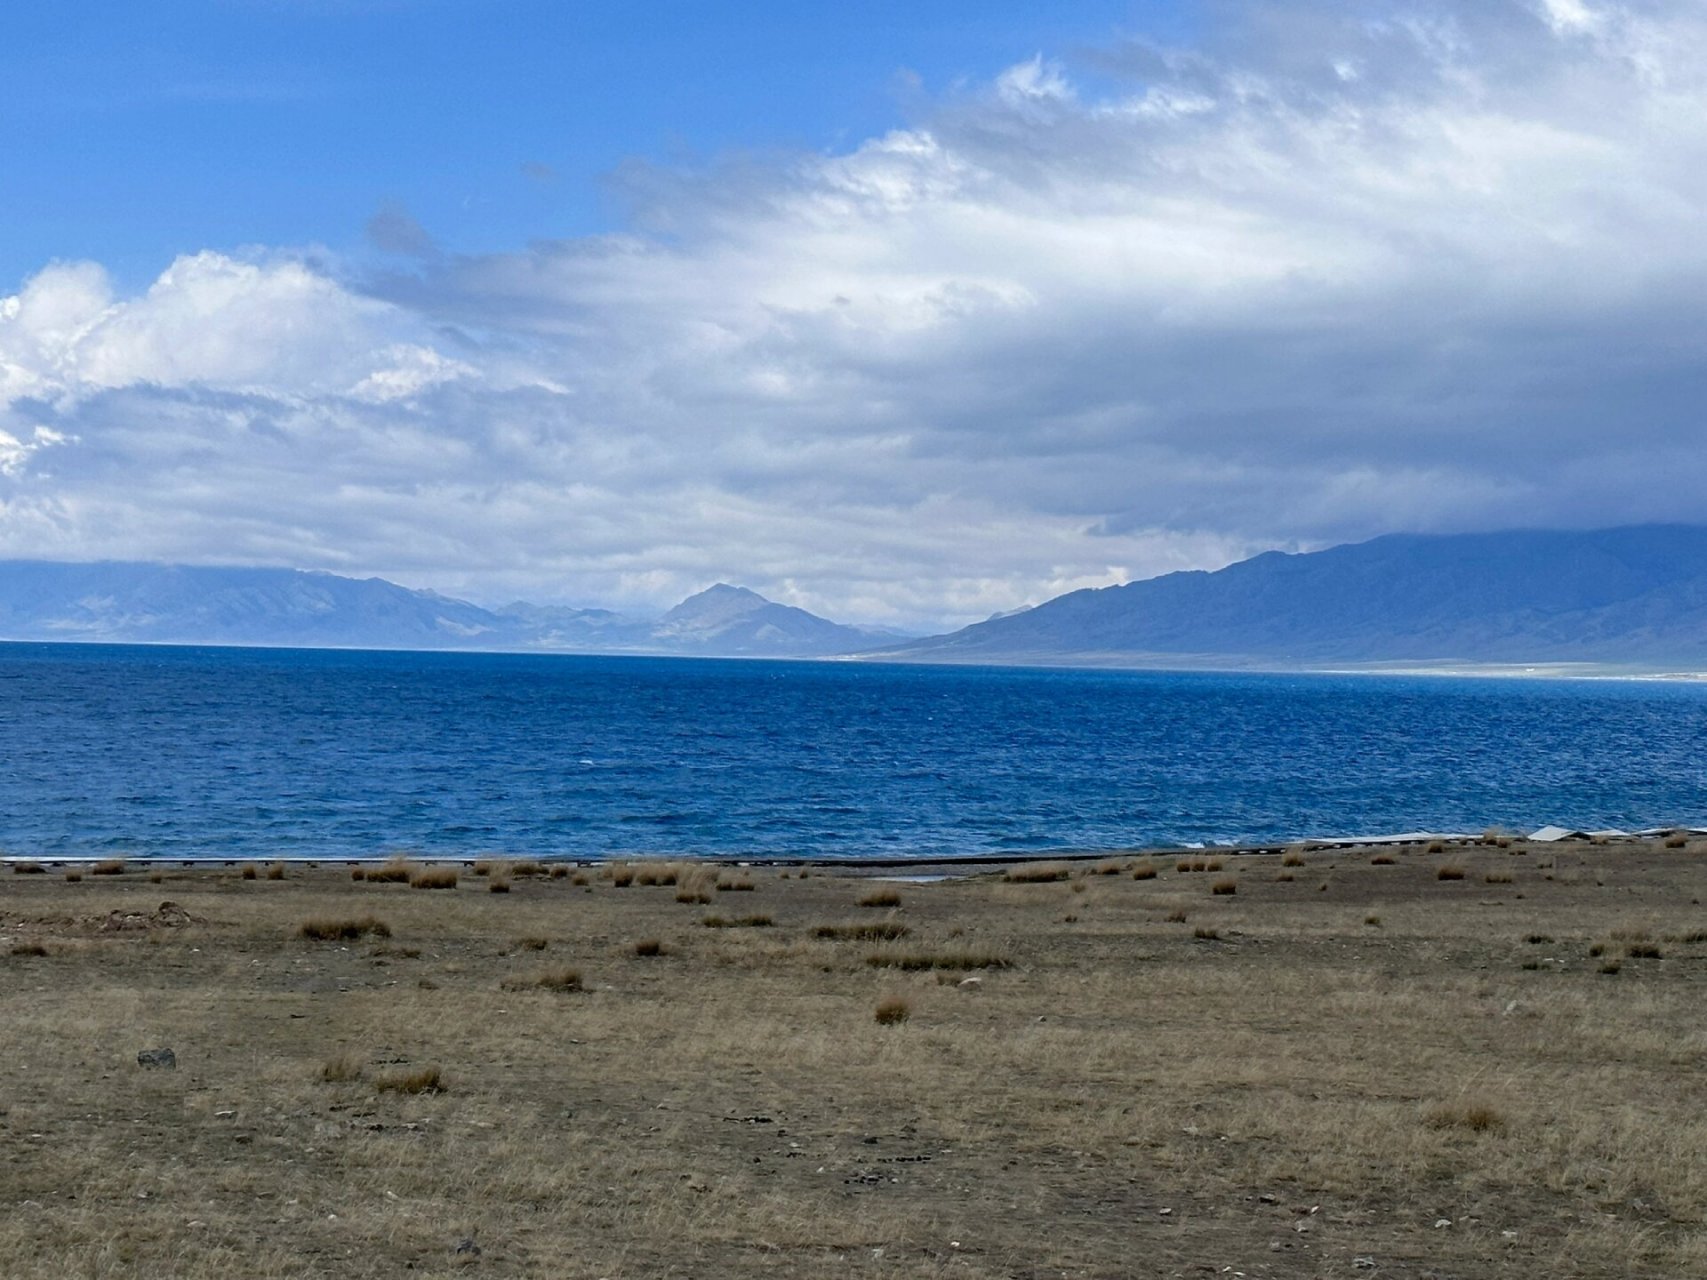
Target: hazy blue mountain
(733,620)
(1635,596)
(181,604)
(177,604)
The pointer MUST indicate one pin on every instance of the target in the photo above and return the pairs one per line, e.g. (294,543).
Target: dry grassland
(1360,1069)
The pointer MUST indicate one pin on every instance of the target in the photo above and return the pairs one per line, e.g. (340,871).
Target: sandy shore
(1476,1061)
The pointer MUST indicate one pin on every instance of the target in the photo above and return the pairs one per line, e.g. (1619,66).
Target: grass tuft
(1224,887)
(1206,933)
(72,877)
(391,871)
(880,898)
(1145,870)
(497,884)
(878,931)
(892,1011)
(28,869)
(434,878)
(326,929)
(250,871)
(1292,858)
(108,867)
(28,949)
(1449,871)
(1477,1117)
(1383,860)
(738,922)
(561,980)
(649,947)
(917,960)
(1498,877)
(421,1080)
(1038,873)
(276,871)
(342,1069)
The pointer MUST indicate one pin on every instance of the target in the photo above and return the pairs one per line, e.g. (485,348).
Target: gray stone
(161,1058)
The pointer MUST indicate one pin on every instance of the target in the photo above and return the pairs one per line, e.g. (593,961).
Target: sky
(903,313)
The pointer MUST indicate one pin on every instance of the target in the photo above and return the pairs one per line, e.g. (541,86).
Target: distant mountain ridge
(119,602)
(1634,596)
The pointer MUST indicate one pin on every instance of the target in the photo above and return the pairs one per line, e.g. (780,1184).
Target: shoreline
(920,863)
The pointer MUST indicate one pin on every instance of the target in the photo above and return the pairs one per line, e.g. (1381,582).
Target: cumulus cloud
(1340,269)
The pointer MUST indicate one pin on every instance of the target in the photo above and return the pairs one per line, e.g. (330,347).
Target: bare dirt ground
(1340,1067)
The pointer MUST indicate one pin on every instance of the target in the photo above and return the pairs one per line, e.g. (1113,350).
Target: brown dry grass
(737,1110)
(880,898)
(434,878)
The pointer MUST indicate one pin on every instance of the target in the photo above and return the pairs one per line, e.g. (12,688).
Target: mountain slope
(1633,595)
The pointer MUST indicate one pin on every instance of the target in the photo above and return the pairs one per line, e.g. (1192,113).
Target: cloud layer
(1341,270)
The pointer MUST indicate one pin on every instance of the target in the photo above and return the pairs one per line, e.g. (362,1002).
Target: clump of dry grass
(156,877)
(1108,867)
(1449,871)
(1643,951)
(892,1011)
(877,931)
(735,884)
(358,873)
(28,869)
(1538,939)
(917,960)
(1676,840)
(528,867)
(421,1080)
(1477,1117)
(1206,933)
(1145,870)
(1224,887)
(1383,860)
(1610,966)
(391,871)
(434,878)
(620,874)
(1436,846)
(28,949)
(561,872)
(108,867)
(348,929)
(1284,877)
(760,921)
(692,894)
(1499,877)
(276,871)
(532,943)
(1038,873)
(72,877)
(1293,857)
(342,1069)
(497,884)
(560,980)
(250,871)
(1176,916)
(649,947)
(885,897)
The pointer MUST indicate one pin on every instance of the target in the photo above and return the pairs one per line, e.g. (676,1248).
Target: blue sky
(905,314)
(133,131)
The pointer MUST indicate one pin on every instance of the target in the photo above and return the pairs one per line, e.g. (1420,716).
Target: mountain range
(1633,597)
(179,604)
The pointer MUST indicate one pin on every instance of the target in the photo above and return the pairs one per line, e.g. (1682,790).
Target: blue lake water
(184,752)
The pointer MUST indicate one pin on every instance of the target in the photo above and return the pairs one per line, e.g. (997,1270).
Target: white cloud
(1324,276)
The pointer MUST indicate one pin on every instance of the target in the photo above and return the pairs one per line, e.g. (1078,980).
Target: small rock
(1363,1264)
(1442,1222)
(971,984)
(163,1059)
(468,1247)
